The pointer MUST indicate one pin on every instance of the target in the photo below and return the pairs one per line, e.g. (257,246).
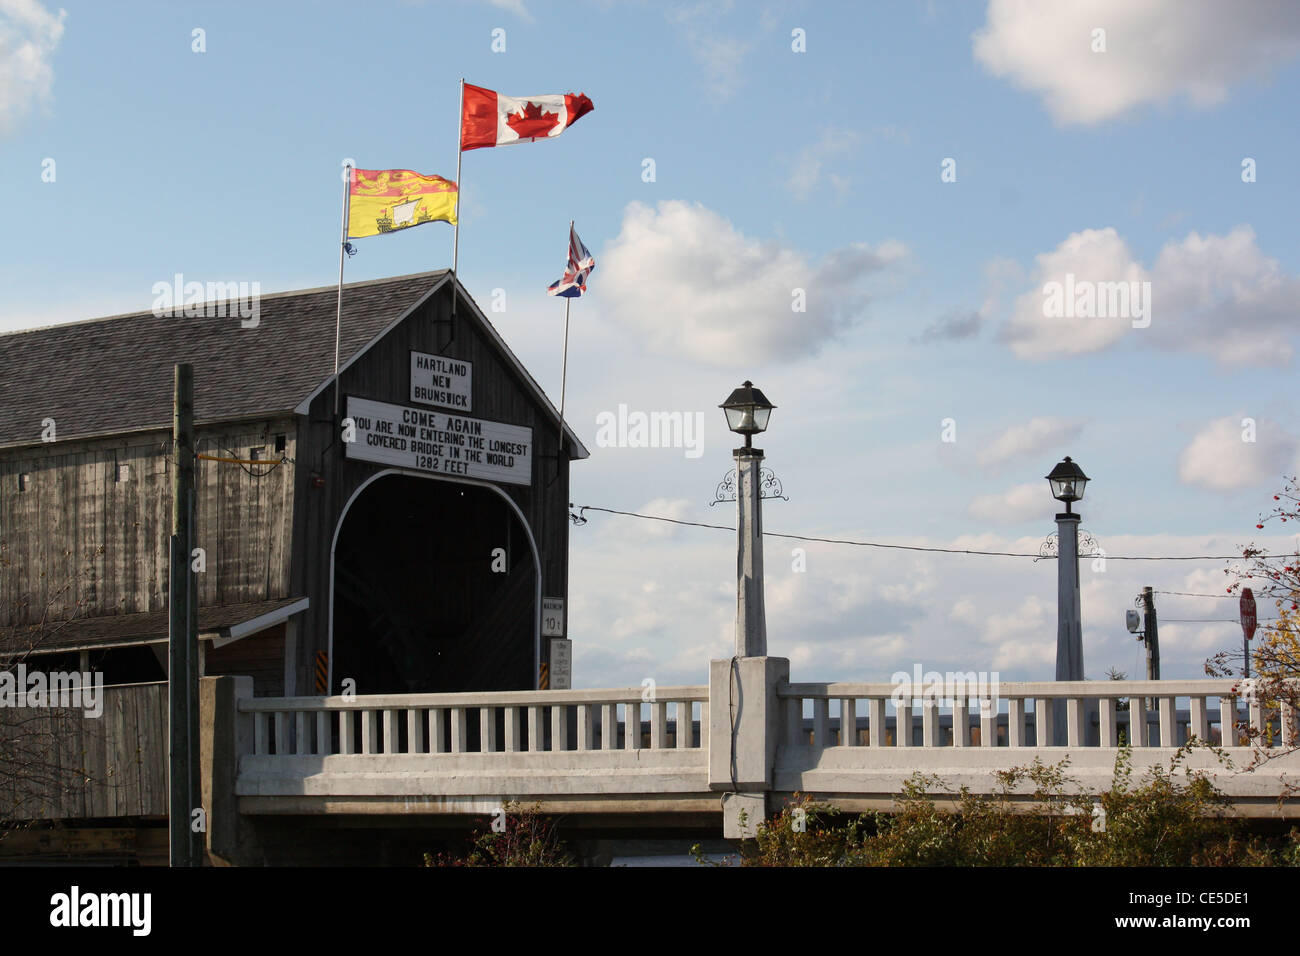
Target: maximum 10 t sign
(426,440)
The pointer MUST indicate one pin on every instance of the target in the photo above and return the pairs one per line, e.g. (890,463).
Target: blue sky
(773,169)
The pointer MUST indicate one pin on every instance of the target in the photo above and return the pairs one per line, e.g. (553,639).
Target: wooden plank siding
(259,656)
(78,523)
(110,766)
(498,393)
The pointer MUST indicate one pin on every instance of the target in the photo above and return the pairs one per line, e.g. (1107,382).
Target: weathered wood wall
(102,542)
(259,656)
(499,394)
(58,763)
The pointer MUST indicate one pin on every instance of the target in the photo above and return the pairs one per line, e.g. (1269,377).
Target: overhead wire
(909,547)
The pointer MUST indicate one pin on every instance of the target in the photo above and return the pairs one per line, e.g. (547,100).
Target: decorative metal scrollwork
(1051,546)
(769,486)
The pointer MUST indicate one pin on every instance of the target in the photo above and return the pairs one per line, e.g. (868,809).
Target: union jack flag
(579,266)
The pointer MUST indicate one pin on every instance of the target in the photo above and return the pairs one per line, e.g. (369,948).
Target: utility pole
(183,788)
(1150,636)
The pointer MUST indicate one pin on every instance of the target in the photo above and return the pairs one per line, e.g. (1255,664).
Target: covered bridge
(404,542)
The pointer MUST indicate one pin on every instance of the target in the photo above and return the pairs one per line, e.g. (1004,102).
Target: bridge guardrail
(493,722)
(978,719)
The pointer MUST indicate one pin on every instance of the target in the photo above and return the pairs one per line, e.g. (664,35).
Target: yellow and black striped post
(322,672)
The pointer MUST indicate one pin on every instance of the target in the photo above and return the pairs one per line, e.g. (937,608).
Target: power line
(1190,594)
(1207,620)
(910,547)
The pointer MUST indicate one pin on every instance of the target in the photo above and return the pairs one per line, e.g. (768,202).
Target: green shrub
(527,839)
(1036,816)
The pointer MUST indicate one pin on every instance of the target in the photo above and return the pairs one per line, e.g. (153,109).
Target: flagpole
(343,244)
(455,242)
(564,370)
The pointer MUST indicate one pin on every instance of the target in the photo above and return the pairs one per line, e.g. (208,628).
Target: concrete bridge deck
(747,741)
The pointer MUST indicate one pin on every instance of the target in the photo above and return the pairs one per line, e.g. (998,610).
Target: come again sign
(436,442)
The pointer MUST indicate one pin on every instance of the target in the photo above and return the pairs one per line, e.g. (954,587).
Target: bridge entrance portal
(434,590)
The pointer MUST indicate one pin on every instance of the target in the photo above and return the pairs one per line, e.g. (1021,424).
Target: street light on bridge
(748,411)
(1067,482)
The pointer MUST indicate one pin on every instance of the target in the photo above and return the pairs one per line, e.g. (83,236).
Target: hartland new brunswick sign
(438,380)
(423,439)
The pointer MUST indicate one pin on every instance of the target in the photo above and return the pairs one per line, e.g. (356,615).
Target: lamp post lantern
(1067,482)
(748,410)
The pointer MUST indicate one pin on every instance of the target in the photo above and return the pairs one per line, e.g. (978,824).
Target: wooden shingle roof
(113,375)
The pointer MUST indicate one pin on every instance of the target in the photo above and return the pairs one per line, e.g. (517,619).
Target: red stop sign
(1248,621)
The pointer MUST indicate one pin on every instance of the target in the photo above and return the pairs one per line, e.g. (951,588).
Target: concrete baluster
(876,722)
(1166,708)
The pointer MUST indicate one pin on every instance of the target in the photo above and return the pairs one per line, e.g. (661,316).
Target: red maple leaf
(533,122)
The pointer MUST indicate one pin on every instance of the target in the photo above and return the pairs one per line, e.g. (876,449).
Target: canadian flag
(489,118)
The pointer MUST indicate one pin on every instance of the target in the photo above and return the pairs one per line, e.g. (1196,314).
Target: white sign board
(552,617)
(439,380)
(561,664)
(440,443)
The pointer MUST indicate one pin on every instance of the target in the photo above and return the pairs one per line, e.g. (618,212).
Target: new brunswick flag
(386,200)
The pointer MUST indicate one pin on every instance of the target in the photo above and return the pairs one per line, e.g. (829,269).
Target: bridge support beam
(741,815)
(224,734)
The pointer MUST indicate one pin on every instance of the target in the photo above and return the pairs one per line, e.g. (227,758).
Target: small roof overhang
(220,624)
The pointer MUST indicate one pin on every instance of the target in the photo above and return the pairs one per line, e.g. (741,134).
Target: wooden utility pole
(1151,635)
(183,794)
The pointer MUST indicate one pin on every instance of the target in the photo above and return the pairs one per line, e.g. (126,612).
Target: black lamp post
(1067,482)
(748,410)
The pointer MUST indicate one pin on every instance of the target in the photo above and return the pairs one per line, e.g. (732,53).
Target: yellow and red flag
(386,200)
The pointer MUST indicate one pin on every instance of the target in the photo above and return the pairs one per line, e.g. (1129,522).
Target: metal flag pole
(564,372)
(564,369)
(455,242)
(343,245)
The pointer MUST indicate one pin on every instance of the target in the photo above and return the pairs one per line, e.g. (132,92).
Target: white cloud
(29,35)
(1218,459)
(1155,50)
(1093,255)
(1217,295)
(1026,502)
(674,508)
(692,284)
(720,56)
(1035,436)
(1220,295)
(1024,637)
(513,6)
(806,170)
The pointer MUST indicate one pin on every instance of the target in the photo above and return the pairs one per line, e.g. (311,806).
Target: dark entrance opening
(418,606)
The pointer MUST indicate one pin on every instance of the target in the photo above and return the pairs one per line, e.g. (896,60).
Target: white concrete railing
(607,751)
(1093,715)
(478,723)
